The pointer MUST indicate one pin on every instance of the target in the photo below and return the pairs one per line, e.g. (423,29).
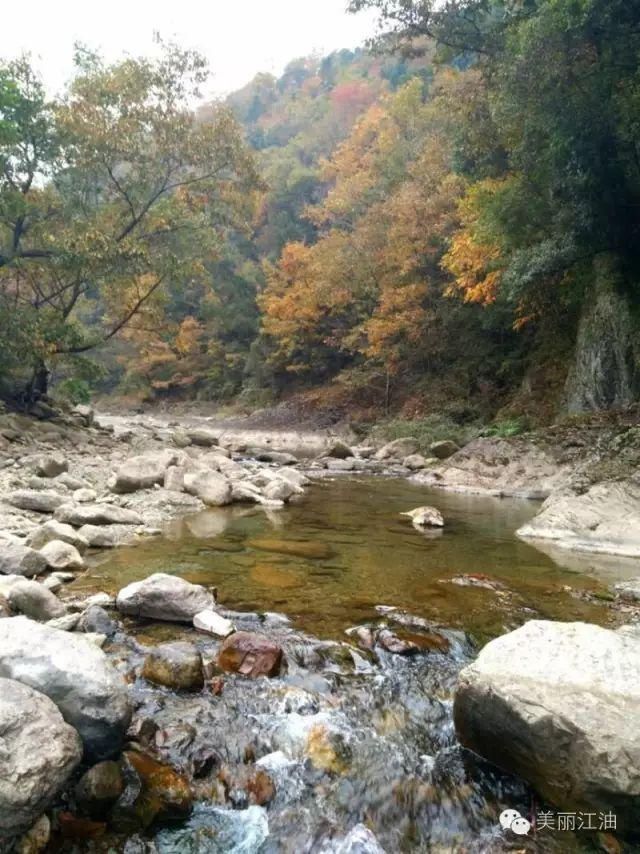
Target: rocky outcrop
(559,705)
(164,597)
(516,467)
(605,519)
(72,672)
(38,754)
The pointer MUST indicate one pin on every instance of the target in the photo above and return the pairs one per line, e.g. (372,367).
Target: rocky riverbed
(160,721)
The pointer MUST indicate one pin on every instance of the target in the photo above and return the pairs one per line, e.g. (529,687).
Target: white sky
(239,37)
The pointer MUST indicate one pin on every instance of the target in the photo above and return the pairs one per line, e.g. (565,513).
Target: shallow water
(342,549)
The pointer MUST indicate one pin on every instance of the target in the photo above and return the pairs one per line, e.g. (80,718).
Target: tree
(110,195)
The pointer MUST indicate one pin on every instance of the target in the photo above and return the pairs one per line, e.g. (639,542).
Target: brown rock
(73,827)
(251,655)
(164,793)
(99,788)
(175,665)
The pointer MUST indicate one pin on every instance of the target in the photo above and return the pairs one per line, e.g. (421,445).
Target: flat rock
(61,555)
(559,705)
(265,455)
(164,597)
(38,501)
(213,623)
(75,674)
(16,559)
(202,437)
(96,514)
(39,753)
(250,655)
(605,519)
(174,665)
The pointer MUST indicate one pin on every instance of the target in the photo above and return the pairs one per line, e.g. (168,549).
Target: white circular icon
(512,820)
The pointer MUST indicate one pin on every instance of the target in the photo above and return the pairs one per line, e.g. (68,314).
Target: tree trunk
(38,385)
(606,369)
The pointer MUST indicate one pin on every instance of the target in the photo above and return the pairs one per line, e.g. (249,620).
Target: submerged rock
(164,597)
(153,791)
(99,788)
(39,753)
(175,665)
(217,830)
(604,519)
(251,655)
(559,705)
(426,517)
(72,672)
(360,840)
(296,548)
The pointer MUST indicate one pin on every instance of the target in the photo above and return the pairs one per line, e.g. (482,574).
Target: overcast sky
(239,37)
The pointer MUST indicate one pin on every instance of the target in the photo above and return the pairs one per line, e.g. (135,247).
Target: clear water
(342,549)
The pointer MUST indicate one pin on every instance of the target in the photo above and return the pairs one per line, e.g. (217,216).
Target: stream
(349,734)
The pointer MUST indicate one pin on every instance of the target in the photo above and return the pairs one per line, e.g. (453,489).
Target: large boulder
(210,487)
(339,450)
(425,517)
(61,555)
(96,514)
(38,754)
(75,674)
(164,597)
(38,501)
(54,530)
(604,519)
(443,450)
(143,472)
(559,705)
(16,559)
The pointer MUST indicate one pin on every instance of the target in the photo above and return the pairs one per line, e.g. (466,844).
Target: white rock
(210,487)
(213,624)
(54,530)
(559,705)
(96,514)
(280,490)
(425,517)
(174,479)
(414,462)
(605,519)
(76,675)
(164,597)
(35,601)
(398,449)
(61,555)
(16,559)
(38,501)
(39,753)
(100,537)
(144,471)
(51,465)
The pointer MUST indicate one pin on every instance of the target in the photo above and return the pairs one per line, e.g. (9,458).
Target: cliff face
(606,370)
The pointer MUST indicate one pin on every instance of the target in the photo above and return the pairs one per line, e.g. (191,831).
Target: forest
(444,220)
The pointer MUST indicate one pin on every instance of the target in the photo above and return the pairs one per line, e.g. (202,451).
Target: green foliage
(508,428)
(427,430)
